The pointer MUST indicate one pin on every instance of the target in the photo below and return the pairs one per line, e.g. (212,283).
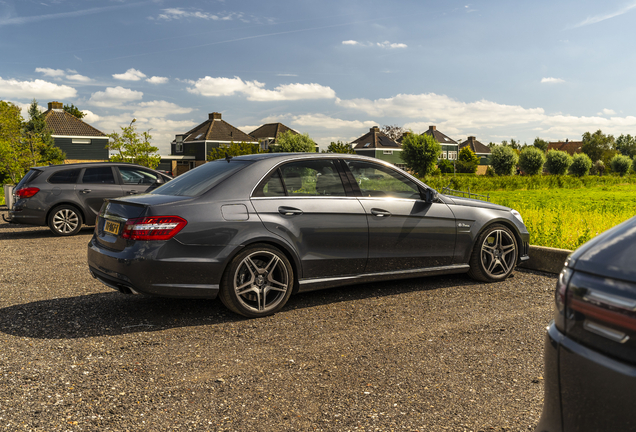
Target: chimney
(471,139)
(214,116)
(374,129)
(432,128)
(56,106)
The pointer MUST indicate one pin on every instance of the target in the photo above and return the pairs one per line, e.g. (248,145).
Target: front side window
(312,178)
(98,175)
(377,180)
(69,176)
(137,176)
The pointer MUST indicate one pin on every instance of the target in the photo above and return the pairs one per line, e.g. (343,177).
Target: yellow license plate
(111,227)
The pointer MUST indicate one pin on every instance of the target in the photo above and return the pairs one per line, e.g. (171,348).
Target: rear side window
(28,177)
(312,178)
(98,175)
(201,179)
(65,176)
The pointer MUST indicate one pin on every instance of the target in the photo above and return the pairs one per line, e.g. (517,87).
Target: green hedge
(506,183)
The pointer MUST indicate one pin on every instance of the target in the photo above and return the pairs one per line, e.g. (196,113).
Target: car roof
(86,164)
(286,156)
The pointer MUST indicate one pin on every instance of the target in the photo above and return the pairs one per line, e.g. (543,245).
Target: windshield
(201,179)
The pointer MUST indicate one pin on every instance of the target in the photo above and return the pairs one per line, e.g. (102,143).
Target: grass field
(567,218)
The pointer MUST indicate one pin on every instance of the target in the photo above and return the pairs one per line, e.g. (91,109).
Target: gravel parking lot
(442,353)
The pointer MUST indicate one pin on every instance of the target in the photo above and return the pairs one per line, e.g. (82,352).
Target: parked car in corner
(66,196)
(590,348)
(254,229)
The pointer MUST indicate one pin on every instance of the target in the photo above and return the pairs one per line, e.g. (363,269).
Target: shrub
(420,153)
(503,160)
(598,168)
(581,164)
(557,162)
(531,160)
(620,164)
(490,172)
(445,166)
(467,161)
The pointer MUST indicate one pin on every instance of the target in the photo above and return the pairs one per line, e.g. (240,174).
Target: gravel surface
(440,353)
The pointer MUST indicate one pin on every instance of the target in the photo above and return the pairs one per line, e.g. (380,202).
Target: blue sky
(496,70)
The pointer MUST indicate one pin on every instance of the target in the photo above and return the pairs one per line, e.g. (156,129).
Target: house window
(178,147)
(388,152)
(81,140)
(444,155)
(452,155)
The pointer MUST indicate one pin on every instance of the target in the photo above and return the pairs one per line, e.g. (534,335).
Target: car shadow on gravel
(30,232)
(112,313)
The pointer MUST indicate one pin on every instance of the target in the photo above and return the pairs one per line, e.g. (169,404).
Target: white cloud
(255,90)
(171,14)
(78,77)
(351,42)
(607,111)
(387,44)
(326,122)
(598,18)
(38,89)
(551,80)
(159,108)
(90,117)
(130,75)
(157,80)
(55,73)
(114,97)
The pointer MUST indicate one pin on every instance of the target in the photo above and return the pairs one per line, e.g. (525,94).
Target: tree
(531,160)
(133,148)
(14,155)
(290,142)
(540,144)
(581,164)
(39,140)
(626,145)
(503,159)
(339,147)
(234,149)
(621,164)
(513,143)
(557,162)
(598,168)
(393,131)
(596,145)
(73,110)
(467,161)
(420,153)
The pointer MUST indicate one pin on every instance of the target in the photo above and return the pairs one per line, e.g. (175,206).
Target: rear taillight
(26,192)
(605,314)
(153,227)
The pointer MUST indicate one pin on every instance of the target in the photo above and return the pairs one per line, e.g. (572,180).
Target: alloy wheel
(498,253)
(261,281)
(65,221)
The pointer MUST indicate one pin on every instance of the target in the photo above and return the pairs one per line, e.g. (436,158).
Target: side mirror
(430,195)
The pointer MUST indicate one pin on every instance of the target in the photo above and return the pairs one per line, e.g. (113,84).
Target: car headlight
(516,214)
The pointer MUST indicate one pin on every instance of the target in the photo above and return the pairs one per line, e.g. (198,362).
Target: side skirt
(321,283)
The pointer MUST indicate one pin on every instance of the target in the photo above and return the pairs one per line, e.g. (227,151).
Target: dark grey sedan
(255,229)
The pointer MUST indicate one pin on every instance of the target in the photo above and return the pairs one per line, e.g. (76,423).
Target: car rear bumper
(144,268)
(585,390)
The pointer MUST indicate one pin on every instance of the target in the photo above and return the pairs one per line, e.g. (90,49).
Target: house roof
(475,145)
(439,137)
(62,123)
(216,129)
(572,147)
(374,139)
(270,130)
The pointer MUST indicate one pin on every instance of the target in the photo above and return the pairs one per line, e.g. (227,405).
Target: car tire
(65,220)
(494,255)
(257,282)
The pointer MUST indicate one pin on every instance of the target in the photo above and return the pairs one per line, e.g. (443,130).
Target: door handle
(131,192)
(380,213)
(289,211)
(85,191)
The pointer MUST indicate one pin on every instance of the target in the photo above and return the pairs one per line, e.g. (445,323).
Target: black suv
(66,196)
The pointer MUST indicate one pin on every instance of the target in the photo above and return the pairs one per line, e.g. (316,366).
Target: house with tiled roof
(571,147)
(268,134)
(482,151)
(377,144)
(191,148)
(80,141)
(449,146)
